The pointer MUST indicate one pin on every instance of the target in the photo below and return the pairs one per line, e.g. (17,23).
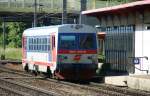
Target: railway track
(92,88)
(64,87)
(45,84)
(107,89)
(5,91)
(61,83)
(12,71)
(25,89)
(11,87)
(10,61)
(124,90)
(71,89)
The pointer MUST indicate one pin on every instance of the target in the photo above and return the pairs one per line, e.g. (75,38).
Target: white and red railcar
(66,51)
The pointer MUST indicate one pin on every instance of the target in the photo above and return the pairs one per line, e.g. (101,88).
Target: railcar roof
(45,27)
(47,30)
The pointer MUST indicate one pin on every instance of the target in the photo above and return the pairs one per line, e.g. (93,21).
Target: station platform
(141,82)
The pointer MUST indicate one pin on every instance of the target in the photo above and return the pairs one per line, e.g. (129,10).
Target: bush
(11,53)
(2,57)
(101,58)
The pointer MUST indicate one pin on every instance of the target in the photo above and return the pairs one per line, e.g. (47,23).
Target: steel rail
(96,87)
(129,91)
(13,71)
(33,91)
(5,91)
(87,87)
(11,61)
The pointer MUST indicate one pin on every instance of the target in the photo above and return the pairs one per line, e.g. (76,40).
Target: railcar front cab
(73,54)
(77,55)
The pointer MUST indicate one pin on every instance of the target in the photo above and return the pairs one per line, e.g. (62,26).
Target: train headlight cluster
(92,58)
(62,58)
(89,57)
(78,26)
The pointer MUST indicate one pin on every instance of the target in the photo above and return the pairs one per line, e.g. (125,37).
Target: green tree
(1,34)
(15,34)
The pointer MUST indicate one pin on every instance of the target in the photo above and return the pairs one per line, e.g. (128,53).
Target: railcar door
(53,48)
(24,47)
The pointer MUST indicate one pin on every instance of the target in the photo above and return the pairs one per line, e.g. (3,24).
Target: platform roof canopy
(119,9)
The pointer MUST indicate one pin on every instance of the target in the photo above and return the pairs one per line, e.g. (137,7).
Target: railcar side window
(45,44)
(48,44)
(34,44)
(31,43)
(38,44)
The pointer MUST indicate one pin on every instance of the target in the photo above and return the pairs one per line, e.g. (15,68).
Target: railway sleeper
(33,91)
(6,91)
(26,68)
(120,90)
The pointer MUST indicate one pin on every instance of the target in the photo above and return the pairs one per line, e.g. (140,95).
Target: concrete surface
(141,82)
(116,80)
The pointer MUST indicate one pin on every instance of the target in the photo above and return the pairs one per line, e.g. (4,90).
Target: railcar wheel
(35,70)
(26,68)
(55,76)
(49,73)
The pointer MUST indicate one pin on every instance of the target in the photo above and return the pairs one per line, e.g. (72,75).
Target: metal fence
(119,46)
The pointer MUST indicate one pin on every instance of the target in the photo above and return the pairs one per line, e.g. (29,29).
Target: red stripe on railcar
(23,47)
(77,51)
(38,63)
(43,63)
(53,49)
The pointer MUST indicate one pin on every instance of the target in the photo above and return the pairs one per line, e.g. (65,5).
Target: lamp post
(35,13)
(83,8)
(64,12)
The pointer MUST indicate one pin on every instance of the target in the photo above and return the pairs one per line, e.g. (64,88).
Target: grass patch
(101,58)
(12,53)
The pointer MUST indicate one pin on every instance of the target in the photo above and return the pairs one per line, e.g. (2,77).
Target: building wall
(127,38)
(142,39)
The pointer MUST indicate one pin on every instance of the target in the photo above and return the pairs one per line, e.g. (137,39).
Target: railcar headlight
(61,58)
(89,57)
(65,57)
(78,26)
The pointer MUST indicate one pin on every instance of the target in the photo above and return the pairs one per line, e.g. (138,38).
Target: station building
(127,39)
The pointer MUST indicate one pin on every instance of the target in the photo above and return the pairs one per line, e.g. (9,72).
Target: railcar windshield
(87,41)
(67,42)
(77,41)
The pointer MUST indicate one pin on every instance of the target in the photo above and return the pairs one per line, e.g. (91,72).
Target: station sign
(136,61)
